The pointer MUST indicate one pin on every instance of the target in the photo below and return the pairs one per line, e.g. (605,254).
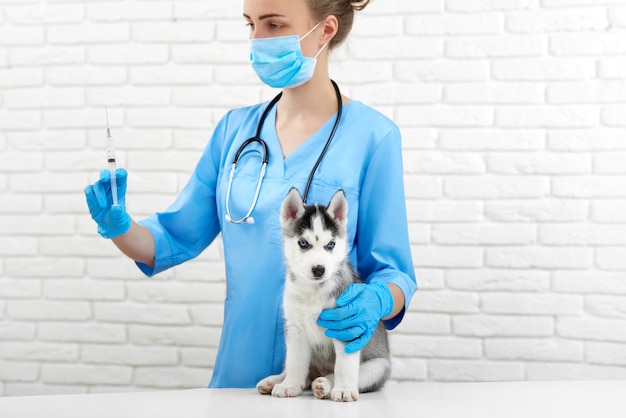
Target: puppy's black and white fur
(318,271)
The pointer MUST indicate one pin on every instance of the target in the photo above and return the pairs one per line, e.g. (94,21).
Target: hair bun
(359,4)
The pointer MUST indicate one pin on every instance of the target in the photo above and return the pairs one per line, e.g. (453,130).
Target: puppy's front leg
(346,385)
(296,365)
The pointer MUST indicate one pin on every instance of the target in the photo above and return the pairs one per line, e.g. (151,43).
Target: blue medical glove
(112,220)
(359,309)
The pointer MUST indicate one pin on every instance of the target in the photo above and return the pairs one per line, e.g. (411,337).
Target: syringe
(111,160)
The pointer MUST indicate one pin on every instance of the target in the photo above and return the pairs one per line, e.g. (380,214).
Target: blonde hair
(343,10)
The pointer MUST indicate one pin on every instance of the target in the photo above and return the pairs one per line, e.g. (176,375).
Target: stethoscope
(248,219)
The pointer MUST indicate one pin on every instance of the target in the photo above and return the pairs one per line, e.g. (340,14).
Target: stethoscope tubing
(327,145)
(265,156)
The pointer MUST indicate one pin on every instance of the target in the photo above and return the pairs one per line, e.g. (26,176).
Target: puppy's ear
(338,208)
(292,206)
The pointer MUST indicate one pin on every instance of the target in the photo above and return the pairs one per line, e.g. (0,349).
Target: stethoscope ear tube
(247,218)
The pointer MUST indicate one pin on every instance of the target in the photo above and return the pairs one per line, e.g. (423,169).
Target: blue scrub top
(364,159)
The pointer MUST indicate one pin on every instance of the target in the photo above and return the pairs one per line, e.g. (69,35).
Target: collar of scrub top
(247,218)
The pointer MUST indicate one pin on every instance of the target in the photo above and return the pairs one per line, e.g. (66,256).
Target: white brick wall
(513,115)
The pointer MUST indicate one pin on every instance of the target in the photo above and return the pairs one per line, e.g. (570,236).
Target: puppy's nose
(318,271)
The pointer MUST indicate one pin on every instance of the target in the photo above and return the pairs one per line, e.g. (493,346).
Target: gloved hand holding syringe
(111,160)
(106,198)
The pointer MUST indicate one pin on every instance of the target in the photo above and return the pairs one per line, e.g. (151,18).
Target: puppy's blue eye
(303,243)
(330,245)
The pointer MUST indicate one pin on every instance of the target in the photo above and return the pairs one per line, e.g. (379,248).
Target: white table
(600,399)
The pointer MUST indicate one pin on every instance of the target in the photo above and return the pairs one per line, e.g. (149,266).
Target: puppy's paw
(266,385)
(286,391)
(344,395)
(321,388)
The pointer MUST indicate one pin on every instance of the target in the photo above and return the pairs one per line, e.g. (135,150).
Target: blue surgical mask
(279,62)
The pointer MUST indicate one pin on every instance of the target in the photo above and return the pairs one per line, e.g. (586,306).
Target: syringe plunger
(110,150)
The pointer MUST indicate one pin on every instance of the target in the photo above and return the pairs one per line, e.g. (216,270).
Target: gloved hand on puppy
(359,309)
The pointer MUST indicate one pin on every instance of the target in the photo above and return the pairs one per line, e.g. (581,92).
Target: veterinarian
(311,135)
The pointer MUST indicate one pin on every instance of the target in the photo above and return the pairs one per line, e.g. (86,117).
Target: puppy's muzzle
(318,271)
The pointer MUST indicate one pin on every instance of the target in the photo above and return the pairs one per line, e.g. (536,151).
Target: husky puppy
(318,271)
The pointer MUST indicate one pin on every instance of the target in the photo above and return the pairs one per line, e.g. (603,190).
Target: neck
(316,98)
(302,111)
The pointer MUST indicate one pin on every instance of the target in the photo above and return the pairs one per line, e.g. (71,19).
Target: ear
(338,207)
(292,206)
(331,26)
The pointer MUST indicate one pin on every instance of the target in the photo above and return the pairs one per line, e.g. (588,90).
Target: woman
(290,40)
